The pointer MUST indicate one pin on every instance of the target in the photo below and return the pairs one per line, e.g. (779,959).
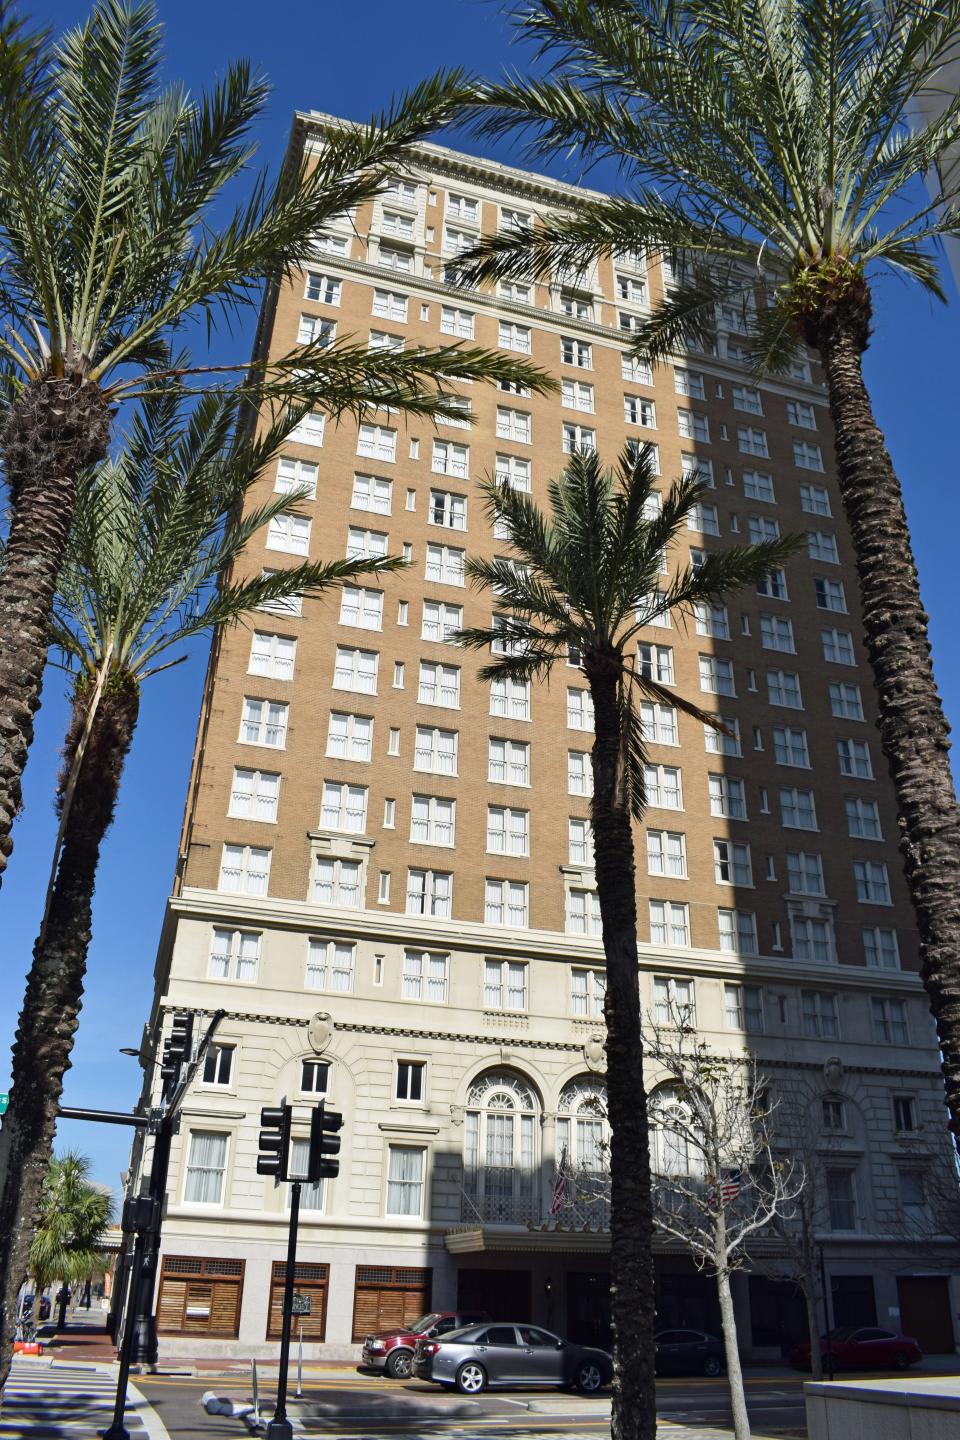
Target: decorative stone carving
(320,1031)
(833,1072)
(456,1114)
(594,1053)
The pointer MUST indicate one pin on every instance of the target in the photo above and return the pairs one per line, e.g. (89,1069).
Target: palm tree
(69,1239)
(585,581)
(150,563)
(774,153)
(111,239)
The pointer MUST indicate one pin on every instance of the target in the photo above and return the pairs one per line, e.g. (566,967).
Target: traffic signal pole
(280,1427)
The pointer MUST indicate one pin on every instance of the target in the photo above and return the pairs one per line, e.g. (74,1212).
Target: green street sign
(4,1102)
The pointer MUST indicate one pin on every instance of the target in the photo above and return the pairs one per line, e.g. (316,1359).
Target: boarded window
(310,1285)
(200,1296)
(388,1295)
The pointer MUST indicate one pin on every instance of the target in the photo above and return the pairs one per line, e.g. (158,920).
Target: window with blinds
(310,1281)
(200,1296)
(389,1295)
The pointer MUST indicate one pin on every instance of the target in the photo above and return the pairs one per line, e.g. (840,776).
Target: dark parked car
(392,1350)
(688,1352)
(865,1348)
(522,1355)
(43,1309)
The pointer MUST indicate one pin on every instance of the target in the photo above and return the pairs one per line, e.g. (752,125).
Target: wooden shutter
(200,1296)
(388,1296)
(308,1279)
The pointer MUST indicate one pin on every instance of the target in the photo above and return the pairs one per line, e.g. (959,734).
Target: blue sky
(349,60)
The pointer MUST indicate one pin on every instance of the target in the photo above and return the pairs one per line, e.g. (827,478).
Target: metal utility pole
(280,1427)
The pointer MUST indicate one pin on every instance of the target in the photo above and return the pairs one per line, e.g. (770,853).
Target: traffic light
(177,1049)
(274,1142)
(324,1144)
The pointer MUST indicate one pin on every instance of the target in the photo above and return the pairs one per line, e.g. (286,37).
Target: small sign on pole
(4,1102)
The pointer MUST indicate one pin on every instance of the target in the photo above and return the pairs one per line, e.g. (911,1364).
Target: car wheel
(400,1365)
(712,1366)
(588,1380)
(471,1378)
(903,1360)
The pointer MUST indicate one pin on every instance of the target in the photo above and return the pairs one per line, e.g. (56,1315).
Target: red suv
(392,1350)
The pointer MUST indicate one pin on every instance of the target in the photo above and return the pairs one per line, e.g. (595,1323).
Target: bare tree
(718,1179)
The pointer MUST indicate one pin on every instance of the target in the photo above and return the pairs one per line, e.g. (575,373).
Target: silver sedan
(500,1355)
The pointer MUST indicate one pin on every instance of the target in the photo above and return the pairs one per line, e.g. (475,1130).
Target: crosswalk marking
(67,1401)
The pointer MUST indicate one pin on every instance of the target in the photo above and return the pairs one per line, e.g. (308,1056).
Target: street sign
(4,1102)
(301,1304)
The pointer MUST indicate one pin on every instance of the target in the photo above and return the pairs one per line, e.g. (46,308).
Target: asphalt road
(364,1406)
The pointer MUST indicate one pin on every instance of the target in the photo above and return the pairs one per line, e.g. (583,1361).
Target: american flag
(560,1184)
(730,1188)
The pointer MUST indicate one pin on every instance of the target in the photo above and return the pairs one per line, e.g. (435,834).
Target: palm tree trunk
(55,430)
(631,1219)
(41,1052)
(913,728)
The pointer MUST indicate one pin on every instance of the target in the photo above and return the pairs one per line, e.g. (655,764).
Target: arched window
(673,1147)
(583,1131)
(500,1150)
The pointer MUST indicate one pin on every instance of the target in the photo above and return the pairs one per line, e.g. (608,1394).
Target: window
(441,620)
(880,948)
(377,442)
(743,1008)
(631,290)
(435,750)
(449,459)
(745,397)
(576,352)
(393,223)
(695,467)
(669,923)
(510,698)
(807,456)
(370,492)
(588,989)
(579,842)
(391,257)
(430,892)
(821,1019)
(727,797)
(689,383)
(579,773)
(805,873)
(309,430)
(457,322)
(790,747)
(349,737)
(264,722)
(738,931)
(405,1166)
(752,441)
(512,471)
(446,565)
(409,1080)
(579,709)
(425,974)
(799,412)
(234,955)
(841,1202)
(773,585)
(289,533)
(336,882)
(833,1115)
(854,756)
(314,1077)
(873,882)
(254,795)
(508,830)
(512,336)
(504,985)
(889,1020)
(245,869)
(723,742)
(344,807)
(463,207)
(323,288)
(815,500)
(365,544)
(666,853)
(296,475)
(673,1001)
(693,426)
(863,819)
(656,663)
(314,331)
(218,1065)
(511,219)
(903,1114)
(776,633)
(812,939)
(762,528)
(513,425)
(389,305)
(663,786)
(206,1168)
(508,762)
(704,518)
(439,684)
(783,688)
(830,596)
(361,608)
(576,306)
(798,809)
(578,438)
(823,547)
(913,1199)
(731,863)
(658,723)
(356,670)
(432,820)
(757,485)
(639,372)
(506,902)
(838,647)
(716,676)
(845,701)
(637,411)
(583,912)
